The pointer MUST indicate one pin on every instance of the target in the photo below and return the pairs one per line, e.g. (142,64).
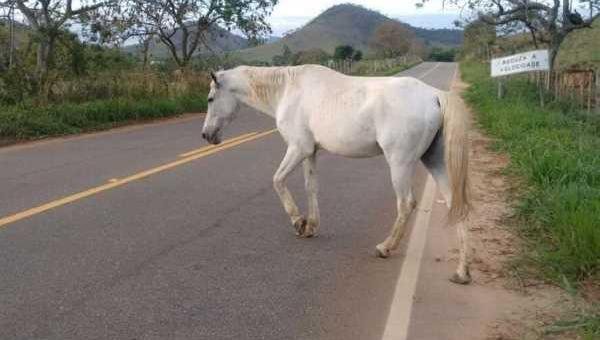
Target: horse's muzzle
(213,138)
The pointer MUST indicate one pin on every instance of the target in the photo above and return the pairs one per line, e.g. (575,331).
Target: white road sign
(522,62)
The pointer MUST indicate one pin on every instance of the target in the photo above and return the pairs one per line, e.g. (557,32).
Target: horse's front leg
(312,188)
(293,157)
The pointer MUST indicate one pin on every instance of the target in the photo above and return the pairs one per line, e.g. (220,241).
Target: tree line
(181,25)
(45,39)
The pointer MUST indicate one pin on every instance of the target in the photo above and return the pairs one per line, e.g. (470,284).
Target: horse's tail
(456,154)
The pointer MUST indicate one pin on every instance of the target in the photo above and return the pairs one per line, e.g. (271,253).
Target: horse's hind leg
(310,181)
(435,163)
(402,175)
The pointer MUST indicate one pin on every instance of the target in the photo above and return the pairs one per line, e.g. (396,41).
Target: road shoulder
(497,305)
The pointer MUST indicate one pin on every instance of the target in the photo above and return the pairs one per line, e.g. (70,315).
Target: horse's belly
(349,145)
(361,152)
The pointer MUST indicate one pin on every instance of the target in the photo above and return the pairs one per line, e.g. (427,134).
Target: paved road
(197,249)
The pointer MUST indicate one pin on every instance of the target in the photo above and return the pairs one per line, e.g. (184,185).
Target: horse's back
(354,116)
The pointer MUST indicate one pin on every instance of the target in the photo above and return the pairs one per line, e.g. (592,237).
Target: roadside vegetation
(92,88)
(30,122)
(396,69)
(54,81)
(555,164)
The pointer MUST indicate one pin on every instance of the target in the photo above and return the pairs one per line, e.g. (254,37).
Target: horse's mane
(267,83)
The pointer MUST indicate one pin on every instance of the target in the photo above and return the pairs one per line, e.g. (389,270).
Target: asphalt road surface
(139,233)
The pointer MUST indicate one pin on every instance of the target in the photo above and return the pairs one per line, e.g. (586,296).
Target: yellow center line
(119,182)
(211,147)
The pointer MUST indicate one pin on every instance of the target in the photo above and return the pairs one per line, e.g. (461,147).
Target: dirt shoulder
(528,306)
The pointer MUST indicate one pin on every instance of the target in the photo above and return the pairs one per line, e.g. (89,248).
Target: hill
(581,48)
(344,24)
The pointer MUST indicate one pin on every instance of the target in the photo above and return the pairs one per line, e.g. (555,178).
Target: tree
(442,54)
(182,25)
(418,48)
(479,38)
(312,56)
(7,38)
(343,52)
(48,20)
(392,39)
(548,22)
(145,41)
(284,59)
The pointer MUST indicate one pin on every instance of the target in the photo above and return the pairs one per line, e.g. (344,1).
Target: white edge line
(398,320)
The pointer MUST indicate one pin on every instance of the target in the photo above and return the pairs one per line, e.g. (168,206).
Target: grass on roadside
(395,70)
(557,154)
(27,122)
(555,157)
(588,325)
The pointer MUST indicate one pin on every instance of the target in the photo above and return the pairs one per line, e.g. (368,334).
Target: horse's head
(222,107)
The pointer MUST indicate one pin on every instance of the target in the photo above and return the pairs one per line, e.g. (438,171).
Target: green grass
(25,122)
(388,72)
(587,325)
(556,152)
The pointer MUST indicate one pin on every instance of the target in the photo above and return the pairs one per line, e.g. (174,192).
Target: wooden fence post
(556,85)
(582,94)
(541,86)
(597,86)
(590,89)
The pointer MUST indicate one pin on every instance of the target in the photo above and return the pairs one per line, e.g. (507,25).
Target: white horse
(316,108)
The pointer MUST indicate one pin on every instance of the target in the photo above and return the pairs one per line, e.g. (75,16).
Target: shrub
(28,122)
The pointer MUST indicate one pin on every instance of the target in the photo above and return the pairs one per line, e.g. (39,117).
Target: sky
(291,14)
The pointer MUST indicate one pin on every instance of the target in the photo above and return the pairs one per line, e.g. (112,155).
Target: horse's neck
(267,88)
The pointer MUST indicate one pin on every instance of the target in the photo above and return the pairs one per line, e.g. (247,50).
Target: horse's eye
(210,100)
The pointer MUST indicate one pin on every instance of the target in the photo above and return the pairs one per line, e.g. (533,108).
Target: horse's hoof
(300,226)
(461,279)
(309,233)
(310,230)
(382,252)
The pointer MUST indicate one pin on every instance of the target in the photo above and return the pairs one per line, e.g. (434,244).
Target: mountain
(344,24)
(581,49)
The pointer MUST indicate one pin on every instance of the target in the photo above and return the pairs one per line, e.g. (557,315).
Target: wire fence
(580,86)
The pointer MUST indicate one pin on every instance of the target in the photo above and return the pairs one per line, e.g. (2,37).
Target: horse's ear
(214,78)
